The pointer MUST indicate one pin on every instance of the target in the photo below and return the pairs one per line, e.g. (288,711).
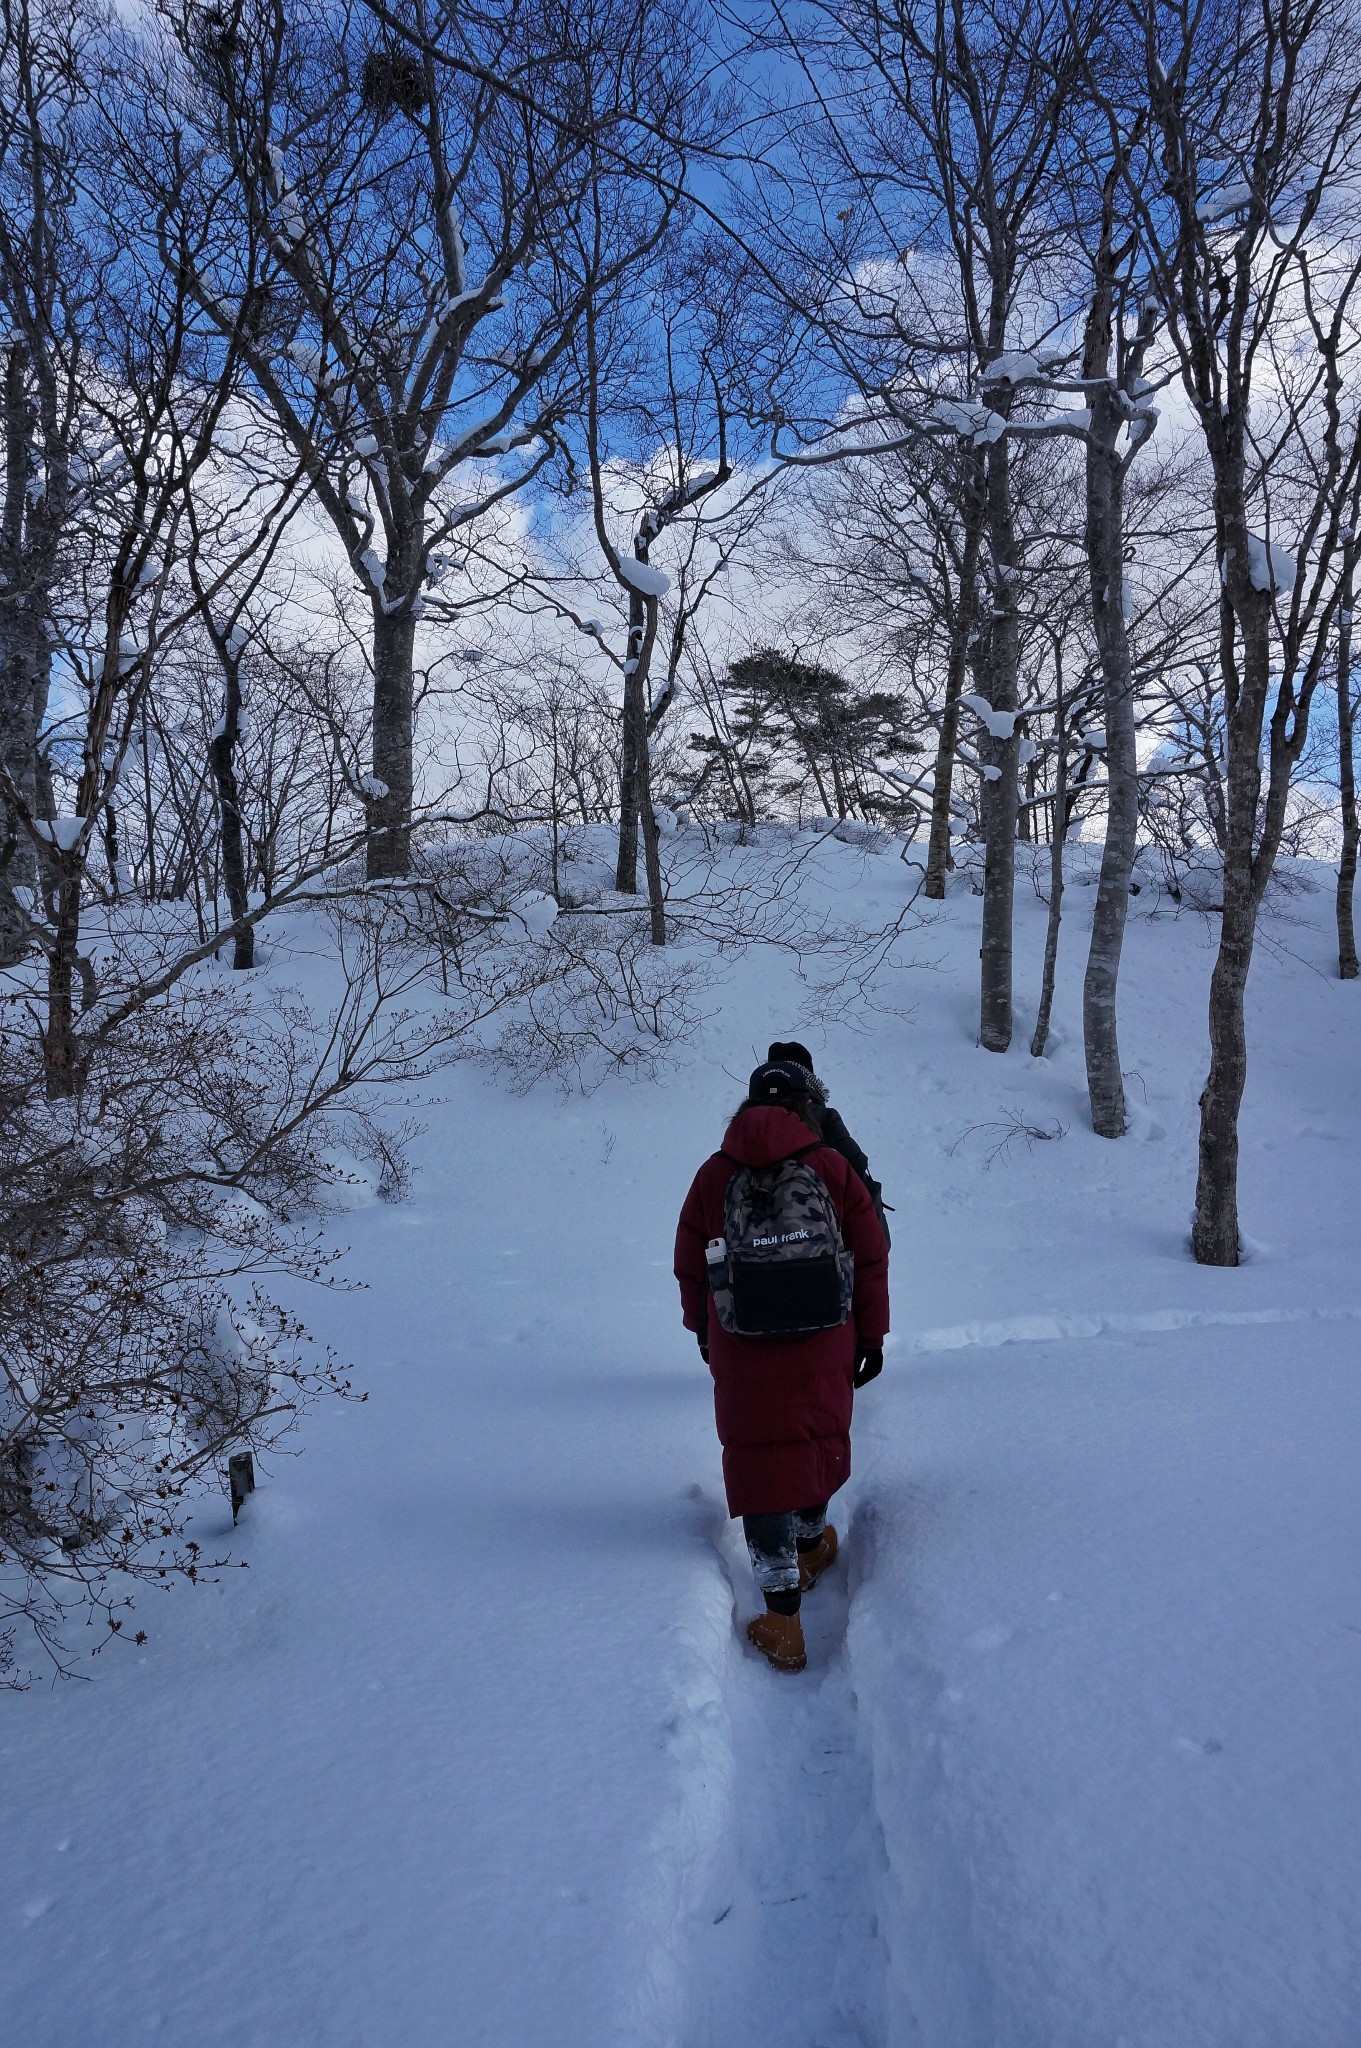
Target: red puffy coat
(782,1405)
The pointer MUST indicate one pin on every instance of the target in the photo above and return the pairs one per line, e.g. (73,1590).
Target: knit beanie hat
(790,1049)
(784,1081)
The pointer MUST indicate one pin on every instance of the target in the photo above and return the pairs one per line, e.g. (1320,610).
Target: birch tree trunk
(1057,837)
(633,743)
(28,563)
(938,855)
(999,875)
(1347,965)
(1105,561)
(1105,1086)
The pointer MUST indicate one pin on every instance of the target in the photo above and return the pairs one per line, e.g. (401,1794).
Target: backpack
(780,1269)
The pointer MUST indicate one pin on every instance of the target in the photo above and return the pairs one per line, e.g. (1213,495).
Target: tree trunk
(1351,830)
(25,662)
(1057,838)
(651,848)
(838,787)
(939,858)
(389,810)
(810,756)
(1214,1232)
(633,737)
(222,755)
(1104,539)
(112,855)
(1000,808)
(23,646)
(61,1054)
(30,533)
(1105,561)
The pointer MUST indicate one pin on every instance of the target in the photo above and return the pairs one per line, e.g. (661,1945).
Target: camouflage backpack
(780,1269)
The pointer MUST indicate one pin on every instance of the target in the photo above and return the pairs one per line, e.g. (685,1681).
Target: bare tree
(1241,200)
(226,621)
(1121,419)
(645,584)
(945,126)
(399,187)
(45,286)
(150,409)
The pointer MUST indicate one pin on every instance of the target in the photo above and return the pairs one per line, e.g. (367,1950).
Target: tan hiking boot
(779,1638)
(813,1563)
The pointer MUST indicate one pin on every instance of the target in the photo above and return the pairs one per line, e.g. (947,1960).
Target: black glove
(702,1339)
(868,1366)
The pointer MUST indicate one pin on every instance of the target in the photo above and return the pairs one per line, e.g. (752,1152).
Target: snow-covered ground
(474,1752)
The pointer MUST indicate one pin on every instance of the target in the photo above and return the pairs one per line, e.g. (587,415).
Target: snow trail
(1047,1329)
(792,1954)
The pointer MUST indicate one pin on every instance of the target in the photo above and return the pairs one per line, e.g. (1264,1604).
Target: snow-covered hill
(474,1753)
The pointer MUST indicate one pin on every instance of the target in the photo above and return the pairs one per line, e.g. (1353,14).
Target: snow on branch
(1270,567)
(642,577)
(63,831)
(1012,368)
(976,423)
(1229,199)
(1075,422)
(1000,724)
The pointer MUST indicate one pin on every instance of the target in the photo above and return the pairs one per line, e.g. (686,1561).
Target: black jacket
(839,1138)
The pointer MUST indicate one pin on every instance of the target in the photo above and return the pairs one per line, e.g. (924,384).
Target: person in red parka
(783,1404)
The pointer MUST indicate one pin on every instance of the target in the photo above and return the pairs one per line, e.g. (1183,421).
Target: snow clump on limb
(1228,199)
(63,831)
(1012,368)
(1270,567)
(975,423)
(641,576)
(1000,724)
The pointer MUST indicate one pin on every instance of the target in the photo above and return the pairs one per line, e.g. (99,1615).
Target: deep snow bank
(1109,1655)
(467,1755)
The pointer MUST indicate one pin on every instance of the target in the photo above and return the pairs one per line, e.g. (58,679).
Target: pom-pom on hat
(790,1049)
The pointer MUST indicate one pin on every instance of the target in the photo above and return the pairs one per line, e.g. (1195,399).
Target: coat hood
(760,1136)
